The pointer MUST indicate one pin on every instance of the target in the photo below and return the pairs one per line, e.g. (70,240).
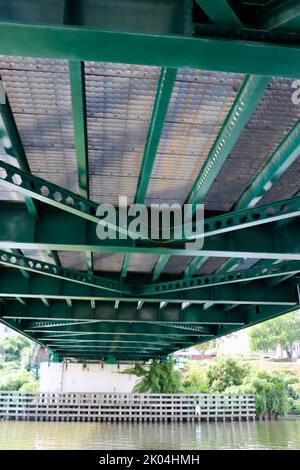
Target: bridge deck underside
(162,104)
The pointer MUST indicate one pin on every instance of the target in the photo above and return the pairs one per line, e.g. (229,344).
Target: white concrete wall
(59,377)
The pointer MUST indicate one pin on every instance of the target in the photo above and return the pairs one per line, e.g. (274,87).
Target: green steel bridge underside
(163,101)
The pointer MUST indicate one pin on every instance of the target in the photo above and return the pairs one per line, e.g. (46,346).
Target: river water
(282,434)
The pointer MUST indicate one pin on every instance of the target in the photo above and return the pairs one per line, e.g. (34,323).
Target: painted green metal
(284,16)
(57,230)
(160,108)
(13,284)
(62,199)
(77,85)
(260,271)
(37,266)
(168,50)
(58,314)
(99,317)
(13,146)
(220,12)
(246,100)
(280,160)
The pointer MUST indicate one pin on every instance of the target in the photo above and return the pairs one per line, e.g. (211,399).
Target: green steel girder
(284,16)
(13,284)
(220,12)
(52,194)
(278,162)
(166,46)
(97,327)
(138,333)
(42,267)
(246,100)
(77,85)
(58,312)
(160,108)
(259,271)
(13,146)
(249,95)
(64,199)
(61,231)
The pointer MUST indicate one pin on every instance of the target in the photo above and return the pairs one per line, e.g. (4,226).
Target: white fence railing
(125,407)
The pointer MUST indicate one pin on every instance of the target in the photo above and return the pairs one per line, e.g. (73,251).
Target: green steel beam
(13,284)
(220,12)
(42,267)
(58,314)
(77,85)
(279,161)
(160,49)
(284,16)
(259,271)
(13,146)
(252,315)
(52,194)
(160,108)
(245,102)
(57,230)
(60,198)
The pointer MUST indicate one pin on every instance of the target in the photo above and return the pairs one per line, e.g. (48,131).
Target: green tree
(13,348)
(195,379)
(282,331)
(271,391)
(159,377)
(225,372)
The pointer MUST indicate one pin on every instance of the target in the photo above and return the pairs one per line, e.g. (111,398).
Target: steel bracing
(163,101)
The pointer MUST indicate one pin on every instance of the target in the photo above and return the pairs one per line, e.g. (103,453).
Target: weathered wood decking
(125,407)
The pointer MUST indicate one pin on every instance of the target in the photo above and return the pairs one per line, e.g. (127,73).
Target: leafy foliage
(159,377)
(14,347)
(13,378)
(224,373)
(282,331)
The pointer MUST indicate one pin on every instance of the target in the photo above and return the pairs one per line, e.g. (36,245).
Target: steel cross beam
(61,231)
(59,312)
(13,284)
(220,12)
(160,108)
(54,195)
(249,94)
(161,47)
(13,146)
(285,16)
(77,85)
(279,161)
(41,267)
(260,271)
(60,198)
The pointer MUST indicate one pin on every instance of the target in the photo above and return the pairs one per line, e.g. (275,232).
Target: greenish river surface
(281,434)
